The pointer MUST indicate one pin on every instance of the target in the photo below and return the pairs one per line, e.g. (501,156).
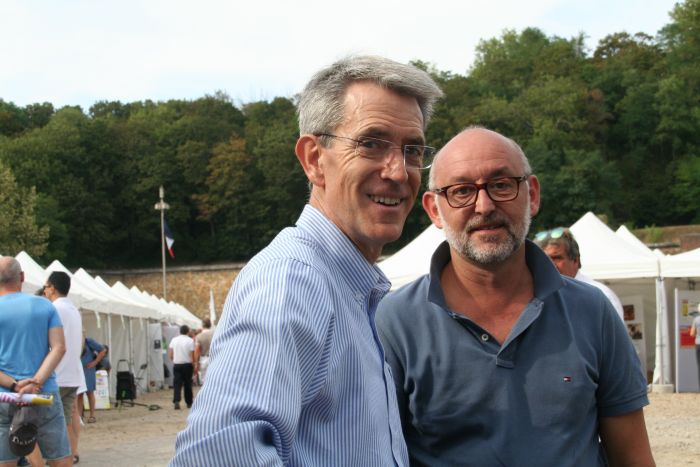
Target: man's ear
(431,208)
(308,151)
(533,185)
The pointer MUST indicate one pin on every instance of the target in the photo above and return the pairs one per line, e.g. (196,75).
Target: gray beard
(495,251)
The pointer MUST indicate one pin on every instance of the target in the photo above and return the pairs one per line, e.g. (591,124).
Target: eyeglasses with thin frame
(462,195)
(415,156)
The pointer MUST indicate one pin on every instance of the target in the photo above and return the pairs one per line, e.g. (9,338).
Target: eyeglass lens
(415,156)
(504,189)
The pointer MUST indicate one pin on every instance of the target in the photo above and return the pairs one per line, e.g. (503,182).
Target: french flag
(169,240)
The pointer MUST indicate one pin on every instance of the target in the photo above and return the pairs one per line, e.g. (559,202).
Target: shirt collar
(343,255)
(545,276)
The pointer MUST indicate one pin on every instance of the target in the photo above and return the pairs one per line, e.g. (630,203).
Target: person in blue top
(297,373)
(92,355)
(497,358)
(31,345)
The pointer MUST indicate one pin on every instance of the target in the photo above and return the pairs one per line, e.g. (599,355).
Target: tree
(18,227)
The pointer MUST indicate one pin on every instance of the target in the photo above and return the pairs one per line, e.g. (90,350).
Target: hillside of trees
(615,130)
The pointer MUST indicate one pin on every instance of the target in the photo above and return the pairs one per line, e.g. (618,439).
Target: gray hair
(10,271)
(515,146)
(321,104)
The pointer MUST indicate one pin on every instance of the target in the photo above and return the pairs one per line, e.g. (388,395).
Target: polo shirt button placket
(485,337)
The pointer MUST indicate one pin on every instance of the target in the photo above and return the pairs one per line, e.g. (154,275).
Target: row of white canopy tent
(619,259)
(128,320)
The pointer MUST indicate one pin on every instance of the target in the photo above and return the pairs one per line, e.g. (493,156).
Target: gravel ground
(137,436)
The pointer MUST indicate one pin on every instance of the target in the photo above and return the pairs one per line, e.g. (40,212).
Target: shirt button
(484,337)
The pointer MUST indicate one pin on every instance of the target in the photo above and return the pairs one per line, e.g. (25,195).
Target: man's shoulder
(39,302)
(405,301)
(291,244)
(204,335)
(65,305)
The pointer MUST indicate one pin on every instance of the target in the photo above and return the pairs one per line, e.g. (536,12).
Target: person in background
(296,373)
(202,343)
(181,353)
(561,247)
(695,332)
(31,346)
(92,354)
(497,358)
(69,372)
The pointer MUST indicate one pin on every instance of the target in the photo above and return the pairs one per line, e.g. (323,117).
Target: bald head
(472,145)
(10,275)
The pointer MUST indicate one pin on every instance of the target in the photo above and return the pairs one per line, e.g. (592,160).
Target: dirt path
(136,436)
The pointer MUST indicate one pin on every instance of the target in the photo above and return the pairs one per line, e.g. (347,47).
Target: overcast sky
(71,52)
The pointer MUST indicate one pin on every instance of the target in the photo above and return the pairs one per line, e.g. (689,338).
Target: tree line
(615,131)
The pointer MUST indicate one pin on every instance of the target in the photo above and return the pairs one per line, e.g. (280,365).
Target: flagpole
(162,206)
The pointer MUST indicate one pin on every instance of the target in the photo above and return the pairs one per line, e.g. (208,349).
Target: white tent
(413,260)
(682,273)
(605,255)
(685,264)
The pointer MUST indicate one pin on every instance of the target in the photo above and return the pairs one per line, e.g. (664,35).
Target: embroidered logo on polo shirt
(567,379)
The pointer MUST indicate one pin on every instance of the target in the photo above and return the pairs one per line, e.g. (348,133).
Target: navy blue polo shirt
(465,399)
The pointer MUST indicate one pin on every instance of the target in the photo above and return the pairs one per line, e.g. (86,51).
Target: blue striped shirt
(297,373)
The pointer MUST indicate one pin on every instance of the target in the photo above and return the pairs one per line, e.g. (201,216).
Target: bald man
(31,345)
(497,358)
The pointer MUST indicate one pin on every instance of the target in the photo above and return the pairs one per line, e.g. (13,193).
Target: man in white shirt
(181,352)
(69,372)
(561,247)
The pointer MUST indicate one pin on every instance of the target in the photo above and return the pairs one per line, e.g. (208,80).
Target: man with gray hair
(31,345)
(297,373)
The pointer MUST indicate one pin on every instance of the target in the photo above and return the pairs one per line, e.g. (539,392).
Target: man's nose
(394,166)
(483,203)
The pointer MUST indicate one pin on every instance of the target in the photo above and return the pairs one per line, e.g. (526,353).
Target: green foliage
(654,234)
(616,132)
(18,227)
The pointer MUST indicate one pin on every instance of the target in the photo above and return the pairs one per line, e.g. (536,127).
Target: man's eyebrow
(381,133)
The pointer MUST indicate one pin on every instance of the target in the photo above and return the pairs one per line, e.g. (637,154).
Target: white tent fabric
(605,255)
(682,265)
(624,233)
(413,260)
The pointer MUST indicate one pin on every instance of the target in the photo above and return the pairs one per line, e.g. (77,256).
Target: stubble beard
(489,250)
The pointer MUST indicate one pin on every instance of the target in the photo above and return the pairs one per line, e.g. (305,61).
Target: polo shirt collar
(545,276)
(344,257)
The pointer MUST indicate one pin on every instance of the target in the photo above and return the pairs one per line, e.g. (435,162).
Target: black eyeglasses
(461,195)
(415,156)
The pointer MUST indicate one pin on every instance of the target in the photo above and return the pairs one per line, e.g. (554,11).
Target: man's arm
(98,358)
(625,440)
(6,380)
(263,368)
(193,356)
(57,350)
(197,350)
